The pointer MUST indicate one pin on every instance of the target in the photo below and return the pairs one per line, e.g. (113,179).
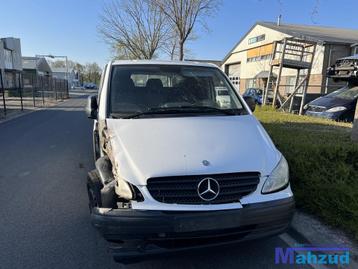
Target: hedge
(323,165)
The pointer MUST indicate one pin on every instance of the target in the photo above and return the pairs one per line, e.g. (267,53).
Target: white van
(177,166)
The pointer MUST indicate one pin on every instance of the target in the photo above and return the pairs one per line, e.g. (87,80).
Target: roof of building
(36,63)
(29,62)
(315,33)
(322,34)
(161,62)
(265,74)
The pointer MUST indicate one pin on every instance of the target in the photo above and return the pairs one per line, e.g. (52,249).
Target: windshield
(348,92)
(171,90)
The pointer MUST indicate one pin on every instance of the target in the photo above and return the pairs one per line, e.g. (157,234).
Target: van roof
(161,62)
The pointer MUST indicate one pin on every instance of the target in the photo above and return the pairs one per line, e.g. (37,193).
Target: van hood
(145,148)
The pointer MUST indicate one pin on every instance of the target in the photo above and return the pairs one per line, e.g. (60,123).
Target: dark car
(338,105)
(90,86)
(257,94)
(254,93)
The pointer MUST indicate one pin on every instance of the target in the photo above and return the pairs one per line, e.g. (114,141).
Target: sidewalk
(13,107)
(309,230)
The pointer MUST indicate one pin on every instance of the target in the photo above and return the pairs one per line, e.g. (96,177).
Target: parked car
(176,168)
(339,105)
(92,86)
(255,93)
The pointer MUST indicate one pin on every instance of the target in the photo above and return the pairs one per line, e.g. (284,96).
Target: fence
(40,92)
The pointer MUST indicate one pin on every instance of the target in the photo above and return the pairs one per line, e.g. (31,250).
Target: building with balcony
(248,63)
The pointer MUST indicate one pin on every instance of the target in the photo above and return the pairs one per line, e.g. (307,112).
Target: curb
(29,111)
(309,230)
(20,114)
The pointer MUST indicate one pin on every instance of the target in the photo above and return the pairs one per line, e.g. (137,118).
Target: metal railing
(32,95)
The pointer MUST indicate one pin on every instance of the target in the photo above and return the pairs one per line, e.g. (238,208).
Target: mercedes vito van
(179,167)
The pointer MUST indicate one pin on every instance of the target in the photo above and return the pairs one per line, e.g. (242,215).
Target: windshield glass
(168,90)
(348,92)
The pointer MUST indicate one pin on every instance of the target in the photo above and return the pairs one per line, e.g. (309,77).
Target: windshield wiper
(212,109)
(179,110)
(153,111)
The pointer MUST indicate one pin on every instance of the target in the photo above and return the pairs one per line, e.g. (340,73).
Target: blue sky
(68,27)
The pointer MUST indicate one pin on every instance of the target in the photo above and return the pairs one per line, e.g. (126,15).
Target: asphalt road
(44,217)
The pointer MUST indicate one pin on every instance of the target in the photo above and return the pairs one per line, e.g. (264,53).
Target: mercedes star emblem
(208,189)
(206,163)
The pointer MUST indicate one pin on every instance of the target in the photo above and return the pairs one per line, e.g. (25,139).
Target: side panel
(102,104)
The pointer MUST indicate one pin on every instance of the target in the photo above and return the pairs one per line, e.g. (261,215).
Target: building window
(259,53)
(259,58)
(251,83)
(8,59)
(290,84)
(266,57)
(256,39)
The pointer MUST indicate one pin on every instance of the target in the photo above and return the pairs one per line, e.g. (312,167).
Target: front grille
(183,189)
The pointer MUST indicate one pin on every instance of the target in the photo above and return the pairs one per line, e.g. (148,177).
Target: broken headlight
(127,191)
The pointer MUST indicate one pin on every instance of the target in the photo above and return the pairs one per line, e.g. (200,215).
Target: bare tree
(135,28)
(171,46)
(184,16)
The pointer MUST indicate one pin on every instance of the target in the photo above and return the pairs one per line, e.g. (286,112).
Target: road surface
(44,217)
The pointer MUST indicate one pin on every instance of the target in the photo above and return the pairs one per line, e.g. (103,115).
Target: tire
(94,187)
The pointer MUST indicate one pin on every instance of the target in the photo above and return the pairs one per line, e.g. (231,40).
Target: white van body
(153,156)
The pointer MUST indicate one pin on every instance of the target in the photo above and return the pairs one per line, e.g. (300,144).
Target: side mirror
(92,107)
(250,101)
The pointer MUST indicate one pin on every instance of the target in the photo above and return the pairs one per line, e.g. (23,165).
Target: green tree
(79,70)
(91,73)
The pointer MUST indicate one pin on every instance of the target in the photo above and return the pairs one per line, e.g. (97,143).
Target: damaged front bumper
(143,233)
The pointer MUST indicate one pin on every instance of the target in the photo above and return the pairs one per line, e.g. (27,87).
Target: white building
(247,64)
(36,72)
(62,73)
(10,63)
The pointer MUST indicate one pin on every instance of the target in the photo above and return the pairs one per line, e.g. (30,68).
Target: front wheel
(94,187)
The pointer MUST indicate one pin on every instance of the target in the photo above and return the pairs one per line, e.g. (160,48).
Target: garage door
(233,71)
